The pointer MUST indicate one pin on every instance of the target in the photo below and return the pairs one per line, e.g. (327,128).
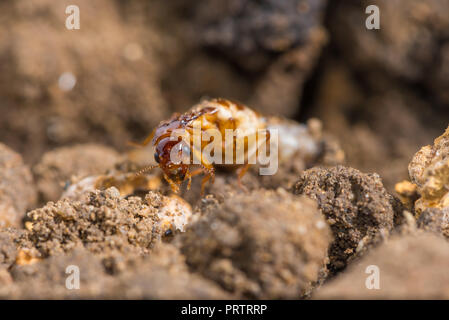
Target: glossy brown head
(173,157)
(172,153)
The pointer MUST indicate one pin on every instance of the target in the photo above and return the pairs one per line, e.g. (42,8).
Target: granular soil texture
(164,275)
(408,267)
(357,207)
(102,222)
(265,244)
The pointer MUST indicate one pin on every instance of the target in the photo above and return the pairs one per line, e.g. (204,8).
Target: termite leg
(189,177)
(134,144)
(144,143)
(241,173)
(174,187)
(210,175)
(196,172)
(203,183)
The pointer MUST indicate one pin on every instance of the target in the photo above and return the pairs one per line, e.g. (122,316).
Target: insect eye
(156,157)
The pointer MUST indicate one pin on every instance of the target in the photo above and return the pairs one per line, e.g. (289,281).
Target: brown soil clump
(429,170)
(410,267)
(256,30)
(357,207)
(102,222)
(9,246)
(435,220)
(265,244)
(164,275)
(47,279)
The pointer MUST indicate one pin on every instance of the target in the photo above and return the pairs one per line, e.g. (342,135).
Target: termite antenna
(146,169)
(142,144)
(134,144)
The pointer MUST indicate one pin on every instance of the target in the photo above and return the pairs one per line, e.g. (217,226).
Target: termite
(219,114)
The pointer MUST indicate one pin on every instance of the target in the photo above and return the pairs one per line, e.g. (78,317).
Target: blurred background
(382,93)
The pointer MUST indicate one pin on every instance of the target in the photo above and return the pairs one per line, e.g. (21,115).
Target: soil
(265,244)
(411,267)
(356,205)
(363,167)
(435,220)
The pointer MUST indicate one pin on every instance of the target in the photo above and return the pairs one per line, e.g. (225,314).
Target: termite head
(173,157)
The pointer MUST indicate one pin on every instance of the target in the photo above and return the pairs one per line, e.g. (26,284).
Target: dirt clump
(48,279)
(9,246)
(408,193)
(410,267)
(256,30)
(357,207)
(17,189)
(102,222)
(163,275)
(434,220)
(429,170)
(265,244)
(428,192)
